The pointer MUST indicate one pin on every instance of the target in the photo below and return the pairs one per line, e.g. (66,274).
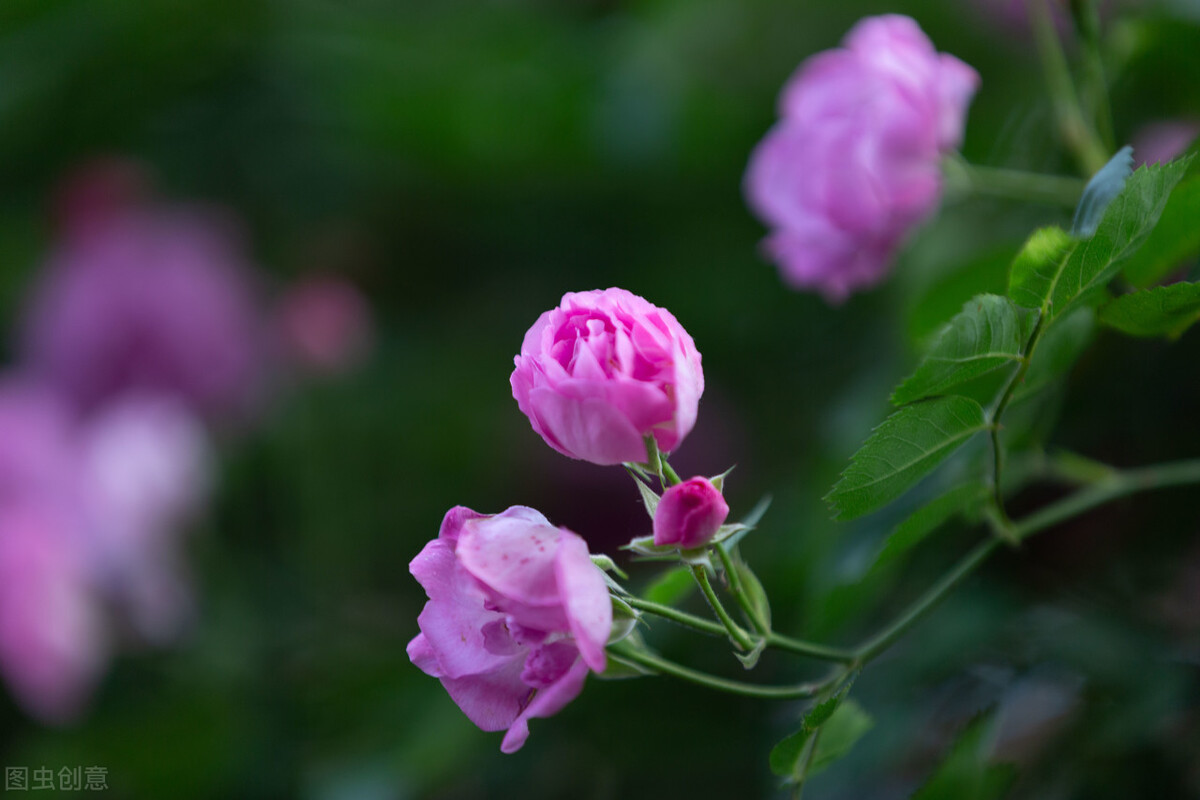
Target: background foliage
(468,162)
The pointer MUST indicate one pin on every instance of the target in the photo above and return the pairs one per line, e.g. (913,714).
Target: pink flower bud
(517,614)
(602,371)
(853,165)
(689,514)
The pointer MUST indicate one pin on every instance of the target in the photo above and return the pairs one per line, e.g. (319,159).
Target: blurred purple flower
(853,165)
(517,613)
(147,469)
(1159,142)
(52,638)
(147,298)
(323,324)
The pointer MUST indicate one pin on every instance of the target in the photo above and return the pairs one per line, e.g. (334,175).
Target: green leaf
(902,450)
(966,774)
(1161,311)
(649,498)
(928,518)
(984,336)
(1040,260)
(670,587)
(624,620)
(786,756)
(754,590)
(1054,276)
(750,660)
(1174,240)
(845,727)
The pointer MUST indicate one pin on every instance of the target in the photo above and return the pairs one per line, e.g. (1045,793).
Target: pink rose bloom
(853,165)
(324,324)
(604,370)
(517,614)
(689,514)
(150,299)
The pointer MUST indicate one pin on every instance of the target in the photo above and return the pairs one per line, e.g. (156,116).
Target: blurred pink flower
(324,324)
(517,613)
(52,637)
(146,468)
(602,371)
(147,298)
(853,165)
(1159,142)
(689,514)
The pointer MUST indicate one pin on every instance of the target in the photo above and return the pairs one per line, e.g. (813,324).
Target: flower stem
(661,666)
(1077,132)
(778,641)
(1087,22)
(739,636)
(1012,184)
(1120,484)
(739,591)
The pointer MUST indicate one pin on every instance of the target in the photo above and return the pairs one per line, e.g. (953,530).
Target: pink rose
(324,324)
(517,613)
(604,370)
(853,164)
(689,514)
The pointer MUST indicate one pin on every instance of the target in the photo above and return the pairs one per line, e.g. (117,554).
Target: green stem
(1122,483)
(739,636)
(682,617)
(1004,523)
(658,463)
(1087,20)
(657,664)
(1077,133)
(1012,184)
(778,641)
(739,591)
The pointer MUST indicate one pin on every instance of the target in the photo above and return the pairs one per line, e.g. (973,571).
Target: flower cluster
(853,164)
(145,327)
(517,611)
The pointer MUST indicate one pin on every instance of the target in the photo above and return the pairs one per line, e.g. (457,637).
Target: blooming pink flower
(854,162)
(147,298)
(324,324)
(689,514)
(517,613)
(602,371)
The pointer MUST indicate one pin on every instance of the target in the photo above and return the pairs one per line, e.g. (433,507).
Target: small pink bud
(689,514)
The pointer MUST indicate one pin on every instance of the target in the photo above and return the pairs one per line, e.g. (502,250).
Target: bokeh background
(464,163)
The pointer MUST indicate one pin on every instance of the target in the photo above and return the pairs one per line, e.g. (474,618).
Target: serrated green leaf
(1054,276)
(785,756)
(966,773)
(1040,260)
(1174,240)
(1161,311)
(670,587)
(984,336)
(928,518)
(902,450)
(839,734)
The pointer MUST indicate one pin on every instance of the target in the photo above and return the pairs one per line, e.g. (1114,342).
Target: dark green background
(468,162)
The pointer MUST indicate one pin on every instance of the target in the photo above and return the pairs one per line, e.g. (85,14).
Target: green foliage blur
(468,162)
